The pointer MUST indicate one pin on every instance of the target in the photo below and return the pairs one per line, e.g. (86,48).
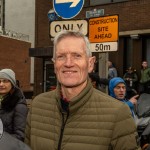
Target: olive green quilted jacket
(95,121)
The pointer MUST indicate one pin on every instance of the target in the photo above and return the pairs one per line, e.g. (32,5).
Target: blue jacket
(112,84)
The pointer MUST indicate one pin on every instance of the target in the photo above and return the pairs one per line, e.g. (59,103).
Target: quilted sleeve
(27,130)
(125,136)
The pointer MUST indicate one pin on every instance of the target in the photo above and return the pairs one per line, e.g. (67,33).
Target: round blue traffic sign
(67,9)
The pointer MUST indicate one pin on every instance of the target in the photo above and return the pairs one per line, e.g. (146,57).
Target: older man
(76,116)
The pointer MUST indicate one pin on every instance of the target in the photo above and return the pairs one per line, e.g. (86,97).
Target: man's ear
(92,61)
(53,60)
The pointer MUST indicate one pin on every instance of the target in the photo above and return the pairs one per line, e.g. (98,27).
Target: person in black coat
(97,81)
(13,107)
(131,79)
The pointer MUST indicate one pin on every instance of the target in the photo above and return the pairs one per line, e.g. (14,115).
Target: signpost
(104,47)
(78,25)
(67,9)
(103,35)
(104,29)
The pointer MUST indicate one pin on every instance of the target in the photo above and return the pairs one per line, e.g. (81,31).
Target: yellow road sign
(103,29)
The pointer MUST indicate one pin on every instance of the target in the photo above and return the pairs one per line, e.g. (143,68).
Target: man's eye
(120,88)
(117,88)
(77,55)
(60,57)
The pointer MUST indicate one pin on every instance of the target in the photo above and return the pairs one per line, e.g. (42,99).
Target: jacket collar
(77,101)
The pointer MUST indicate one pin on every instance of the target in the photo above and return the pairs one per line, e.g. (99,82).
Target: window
(99,2)
(50,80)
(119,0)
(128,51)
(148,50)
(86,3)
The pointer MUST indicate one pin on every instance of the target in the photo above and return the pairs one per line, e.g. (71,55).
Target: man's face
(120,91)
(144,64)
(72,64)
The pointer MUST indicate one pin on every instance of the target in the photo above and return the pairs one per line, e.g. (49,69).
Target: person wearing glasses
(13,107)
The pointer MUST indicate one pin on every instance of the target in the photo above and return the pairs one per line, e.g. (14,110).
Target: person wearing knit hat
(8,74)
(13,106)
(117,89)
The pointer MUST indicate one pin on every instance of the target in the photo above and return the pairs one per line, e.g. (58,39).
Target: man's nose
(69,61)
(1,83)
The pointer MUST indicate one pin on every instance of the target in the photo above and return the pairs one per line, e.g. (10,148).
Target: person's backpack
(8,142)
(143,105)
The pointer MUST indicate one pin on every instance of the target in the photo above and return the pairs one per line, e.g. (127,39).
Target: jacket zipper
(64,120)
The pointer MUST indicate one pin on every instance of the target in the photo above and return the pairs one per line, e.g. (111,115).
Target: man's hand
(133,99)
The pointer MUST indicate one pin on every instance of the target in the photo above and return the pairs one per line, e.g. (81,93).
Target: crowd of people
(76,115)
(134,84)
(137,84)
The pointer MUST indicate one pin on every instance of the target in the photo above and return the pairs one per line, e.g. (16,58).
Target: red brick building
(134,37)
(14,54)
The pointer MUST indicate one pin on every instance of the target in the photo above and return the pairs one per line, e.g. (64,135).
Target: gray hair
(65,33)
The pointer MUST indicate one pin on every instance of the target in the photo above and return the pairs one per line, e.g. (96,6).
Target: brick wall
(14,55)
(133,15)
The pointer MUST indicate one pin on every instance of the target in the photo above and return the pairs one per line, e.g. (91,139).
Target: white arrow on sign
(74,2)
